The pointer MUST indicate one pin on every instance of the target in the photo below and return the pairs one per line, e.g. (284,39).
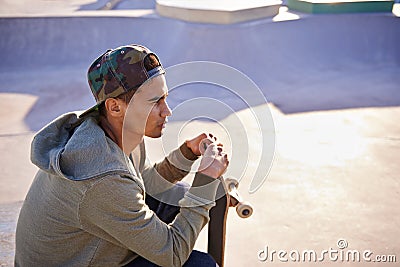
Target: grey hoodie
(86,205)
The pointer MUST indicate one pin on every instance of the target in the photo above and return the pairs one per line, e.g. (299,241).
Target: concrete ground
(333,89)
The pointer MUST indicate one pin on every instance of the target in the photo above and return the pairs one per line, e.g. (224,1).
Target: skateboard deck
(217,226)
(218,214)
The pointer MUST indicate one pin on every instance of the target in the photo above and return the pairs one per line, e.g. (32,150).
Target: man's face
(148,110)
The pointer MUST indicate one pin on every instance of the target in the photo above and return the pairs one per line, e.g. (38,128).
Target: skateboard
(218,214)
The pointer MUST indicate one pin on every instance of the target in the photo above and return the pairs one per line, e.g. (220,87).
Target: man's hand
(197,144)
(214,161)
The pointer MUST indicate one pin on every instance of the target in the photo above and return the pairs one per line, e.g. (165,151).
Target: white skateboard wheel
(244,209)
(231,181)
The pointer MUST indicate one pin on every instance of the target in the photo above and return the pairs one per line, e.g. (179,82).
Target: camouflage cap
(118,71)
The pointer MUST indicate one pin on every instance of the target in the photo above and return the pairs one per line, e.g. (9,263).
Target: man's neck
(130,141)
(126,140)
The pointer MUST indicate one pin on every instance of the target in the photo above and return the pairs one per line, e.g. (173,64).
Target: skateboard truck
(243,208)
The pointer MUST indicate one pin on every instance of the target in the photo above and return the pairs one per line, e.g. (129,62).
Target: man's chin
(154,135)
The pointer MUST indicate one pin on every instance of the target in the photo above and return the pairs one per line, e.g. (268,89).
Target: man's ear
(115,107)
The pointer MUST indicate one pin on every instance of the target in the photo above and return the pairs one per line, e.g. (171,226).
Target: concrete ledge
(332,6)
(218,12)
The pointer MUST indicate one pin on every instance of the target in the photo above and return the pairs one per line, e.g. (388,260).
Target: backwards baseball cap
(119,71)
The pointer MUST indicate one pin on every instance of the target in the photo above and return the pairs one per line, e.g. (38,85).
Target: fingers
(214,149)
(215,161)
(213,152)
(212,137)
(205,142)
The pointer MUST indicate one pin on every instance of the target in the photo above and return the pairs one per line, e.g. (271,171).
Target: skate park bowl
(332,84)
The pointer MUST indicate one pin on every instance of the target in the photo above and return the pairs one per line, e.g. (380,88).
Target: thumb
(204,144)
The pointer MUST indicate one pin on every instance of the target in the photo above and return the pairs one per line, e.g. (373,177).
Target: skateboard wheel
(244,209)
(231,181)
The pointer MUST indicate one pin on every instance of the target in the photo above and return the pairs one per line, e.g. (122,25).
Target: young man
(91,201)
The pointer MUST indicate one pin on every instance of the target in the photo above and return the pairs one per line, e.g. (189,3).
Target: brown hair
(150,62)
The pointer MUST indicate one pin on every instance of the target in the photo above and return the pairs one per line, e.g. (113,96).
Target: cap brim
(90,110)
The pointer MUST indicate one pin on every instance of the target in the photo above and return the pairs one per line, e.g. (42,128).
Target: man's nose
(166,112)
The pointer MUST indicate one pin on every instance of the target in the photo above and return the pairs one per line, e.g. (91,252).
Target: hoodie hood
(77,149)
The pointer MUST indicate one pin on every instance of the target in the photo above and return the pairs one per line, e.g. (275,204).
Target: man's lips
(162,124)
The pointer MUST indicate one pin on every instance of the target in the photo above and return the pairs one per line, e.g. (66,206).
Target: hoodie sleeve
(161,176)
(114,210)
